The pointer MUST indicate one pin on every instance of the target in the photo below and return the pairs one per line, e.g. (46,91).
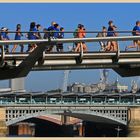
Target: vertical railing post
(46,99)
(118,52)
(81,52)
(2,55)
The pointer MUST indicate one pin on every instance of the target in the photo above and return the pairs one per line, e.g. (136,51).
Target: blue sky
(92,15)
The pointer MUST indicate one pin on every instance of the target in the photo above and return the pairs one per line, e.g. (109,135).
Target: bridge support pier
(134,125)
(81,129)
(65,119)
(3,128)
(26,129)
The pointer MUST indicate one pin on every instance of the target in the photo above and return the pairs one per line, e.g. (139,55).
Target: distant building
(15,85)
(87,89)
(82,88)
(77,88)
(118,87)
(99,87)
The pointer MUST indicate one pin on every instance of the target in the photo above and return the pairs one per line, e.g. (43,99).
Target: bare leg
(77,49)
(85,47)
(114,46)
(132,46)
(138,45)
(108,47)
(14,48)
(32,47)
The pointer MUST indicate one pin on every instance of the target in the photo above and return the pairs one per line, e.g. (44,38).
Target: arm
(84,33)
(137,32)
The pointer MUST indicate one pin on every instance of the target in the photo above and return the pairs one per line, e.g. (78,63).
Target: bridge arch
(83,115)
(96,117)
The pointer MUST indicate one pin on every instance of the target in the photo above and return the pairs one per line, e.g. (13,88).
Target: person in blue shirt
(51,30)
(32,35)
(53,33)
(38,26)
(56,30)
(111,29)
(112,45)
(4,36)
(135,32)
(136,29)
(18,36)
(59,46)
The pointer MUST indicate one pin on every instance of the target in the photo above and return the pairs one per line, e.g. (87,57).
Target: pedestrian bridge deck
(19,65)
(90,60)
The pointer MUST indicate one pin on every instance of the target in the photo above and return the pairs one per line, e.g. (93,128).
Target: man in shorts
(135,32)
(102,34)
(59,46)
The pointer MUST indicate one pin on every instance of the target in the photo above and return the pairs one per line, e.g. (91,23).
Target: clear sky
(92,15)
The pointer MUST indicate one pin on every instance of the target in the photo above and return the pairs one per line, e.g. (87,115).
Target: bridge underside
(57,119)
(19,65)
(95,118)
(77,116)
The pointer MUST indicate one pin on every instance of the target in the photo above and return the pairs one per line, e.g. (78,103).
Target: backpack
(51,33)
(75,34)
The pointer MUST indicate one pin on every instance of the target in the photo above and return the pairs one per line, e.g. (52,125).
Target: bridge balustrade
(132,99)
(12,65)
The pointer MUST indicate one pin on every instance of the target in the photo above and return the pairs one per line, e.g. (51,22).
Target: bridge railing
(62,100)
(70,39)
(46,43)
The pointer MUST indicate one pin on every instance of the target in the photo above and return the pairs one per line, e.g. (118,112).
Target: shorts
(60,46)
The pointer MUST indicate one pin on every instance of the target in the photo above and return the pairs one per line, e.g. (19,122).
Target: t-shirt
(136,28)
(81,33)
(110,31)
(31,36)
(5,36)
(18,35)
(56,32)
(51,29)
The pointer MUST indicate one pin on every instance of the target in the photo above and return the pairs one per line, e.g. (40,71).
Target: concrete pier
(134,125)
(3,127)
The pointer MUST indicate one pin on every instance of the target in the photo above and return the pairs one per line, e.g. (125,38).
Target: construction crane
(103,79)
(134,86)
(65,80)
(104,75)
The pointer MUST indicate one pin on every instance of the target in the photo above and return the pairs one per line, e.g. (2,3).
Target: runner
(102,34)
(38,26)
(18,36)
(4,36)
(81,34)
(32,35)
(112,45)
(59,46)
(135,32)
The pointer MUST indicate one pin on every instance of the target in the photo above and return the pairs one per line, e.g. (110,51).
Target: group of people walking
(56,31)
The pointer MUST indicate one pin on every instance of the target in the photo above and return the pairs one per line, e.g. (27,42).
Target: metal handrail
(70,40)
(119,31)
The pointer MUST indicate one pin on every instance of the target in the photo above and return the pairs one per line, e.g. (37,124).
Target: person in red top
(81,34)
